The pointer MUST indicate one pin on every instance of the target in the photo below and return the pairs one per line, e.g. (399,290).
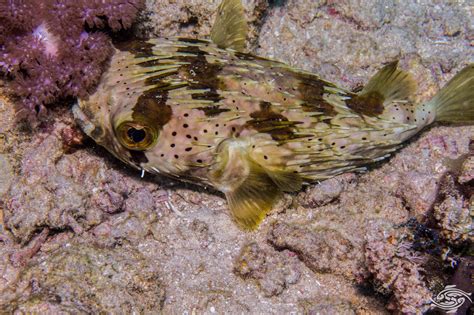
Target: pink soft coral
(52,49)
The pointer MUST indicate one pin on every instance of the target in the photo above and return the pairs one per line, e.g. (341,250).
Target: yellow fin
(254,198)
(455,101)
(251,188)
(391,84)
(230,28)
(286,181)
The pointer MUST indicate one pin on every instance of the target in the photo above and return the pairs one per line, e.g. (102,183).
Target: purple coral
(52,49)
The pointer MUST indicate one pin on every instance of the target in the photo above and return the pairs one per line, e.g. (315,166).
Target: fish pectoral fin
(389,84)
(230,27)
(251,188)
(286,181)
(254,198)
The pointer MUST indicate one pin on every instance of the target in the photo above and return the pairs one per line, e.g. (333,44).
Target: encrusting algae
(207,112)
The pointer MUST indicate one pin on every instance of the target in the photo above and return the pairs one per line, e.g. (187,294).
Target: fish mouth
(100,134)
(88,123)
(82,119)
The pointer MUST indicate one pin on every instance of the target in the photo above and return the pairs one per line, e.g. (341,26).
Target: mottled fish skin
(251,127)
(198,95)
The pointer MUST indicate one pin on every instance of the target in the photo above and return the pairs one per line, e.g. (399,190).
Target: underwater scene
(236,157)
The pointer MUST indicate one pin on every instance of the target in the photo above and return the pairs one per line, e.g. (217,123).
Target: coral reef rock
(87,278)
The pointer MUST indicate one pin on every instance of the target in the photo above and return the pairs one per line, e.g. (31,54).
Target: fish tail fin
(454,103)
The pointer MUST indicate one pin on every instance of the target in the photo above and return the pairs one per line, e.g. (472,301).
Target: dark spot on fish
(151,108)
(138,157)
(370,104)
(311,91)
(188,149)
(267,121)
(139,48)
(201,74)
(211,95)
(211,111)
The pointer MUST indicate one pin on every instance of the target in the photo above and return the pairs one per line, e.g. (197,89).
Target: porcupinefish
(207,112)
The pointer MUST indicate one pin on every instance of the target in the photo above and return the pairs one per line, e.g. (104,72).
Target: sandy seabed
(82,233)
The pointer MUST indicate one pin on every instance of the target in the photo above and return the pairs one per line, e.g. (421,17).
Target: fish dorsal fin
(387,85)
(254,198)
(230,27)
(390,83)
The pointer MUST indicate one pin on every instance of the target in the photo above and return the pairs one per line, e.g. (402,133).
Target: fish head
(125,126)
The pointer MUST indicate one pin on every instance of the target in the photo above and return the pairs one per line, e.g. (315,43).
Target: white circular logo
(451,298)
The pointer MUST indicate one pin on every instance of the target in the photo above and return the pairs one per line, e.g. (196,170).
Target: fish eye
(136,136)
